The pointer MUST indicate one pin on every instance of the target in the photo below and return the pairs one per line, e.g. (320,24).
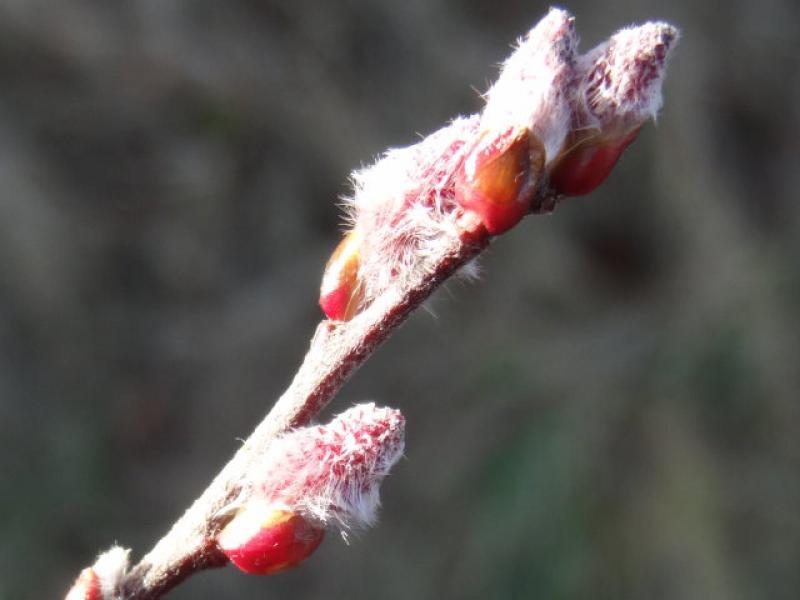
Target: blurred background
(611,412)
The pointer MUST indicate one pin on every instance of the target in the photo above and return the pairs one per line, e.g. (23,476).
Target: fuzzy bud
(314,477)
(332,473)
(622,83)
(102,580)
(524,123)
(341,292)
(535,84)
(619,89)
(86,587)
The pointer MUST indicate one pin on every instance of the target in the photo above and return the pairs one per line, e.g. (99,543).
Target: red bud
(341,293)
(584,166)
(86,587)
(263,538)
(498,177)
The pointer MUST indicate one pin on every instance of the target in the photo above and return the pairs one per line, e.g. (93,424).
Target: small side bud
(588,162)
(266,538)
(102,580)
(498,178)
(86,587)
(341,292)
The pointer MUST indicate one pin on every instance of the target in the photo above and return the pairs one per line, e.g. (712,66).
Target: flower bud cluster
(554,125)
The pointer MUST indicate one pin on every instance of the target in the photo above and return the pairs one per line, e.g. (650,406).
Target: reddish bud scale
(587,163)
(341,292)
(86,587)
(263,539)
(498,178)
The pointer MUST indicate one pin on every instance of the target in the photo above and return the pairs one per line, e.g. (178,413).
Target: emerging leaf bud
(266,538)
(341,292)
(498,178)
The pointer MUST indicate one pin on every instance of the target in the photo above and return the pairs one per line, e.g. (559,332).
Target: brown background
(612,412)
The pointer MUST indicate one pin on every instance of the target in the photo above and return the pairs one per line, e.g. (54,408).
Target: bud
(588,161)
(619,89)
(86,587)
(264,538)
(525,121)
(535,84)
(341,292)
(313,477)
(498,178)
(102,580)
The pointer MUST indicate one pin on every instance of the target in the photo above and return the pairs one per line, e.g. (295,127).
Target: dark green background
(612,412)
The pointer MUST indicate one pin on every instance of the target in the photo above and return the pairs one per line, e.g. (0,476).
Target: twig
(337,350)
(554,125)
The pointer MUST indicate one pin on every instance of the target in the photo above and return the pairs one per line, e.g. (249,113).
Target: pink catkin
(331,473)
(621,79)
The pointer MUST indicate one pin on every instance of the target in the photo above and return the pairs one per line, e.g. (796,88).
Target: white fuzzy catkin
(404,206)
(110,567)
(535,84)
